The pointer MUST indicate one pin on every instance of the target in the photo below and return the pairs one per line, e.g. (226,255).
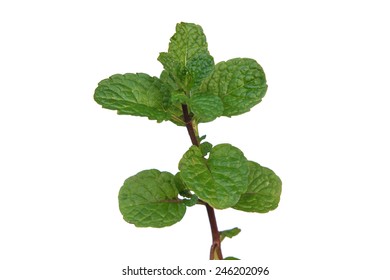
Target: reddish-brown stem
(190,128)
(215,250)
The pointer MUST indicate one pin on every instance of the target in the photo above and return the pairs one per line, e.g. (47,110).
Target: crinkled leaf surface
(174,69)
(188,42)
(134,94)
(149,199)
(219,180)
(200,67)
(206,107)
(188,60)
(264,190)
(239,82)
(175,98)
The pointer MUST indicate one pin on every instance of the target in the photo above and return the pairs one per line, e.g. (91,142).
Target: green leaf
(168,81)
(149,199)
(205,147)
(203,137)
(200,67)
(230,233)
(264,190)
(134,94)
(206,107)
(231,259)
(188,60)
(239,82)
(219,180)
(188,42)
(181,187)
(179,97)
(191,202)
(175,69)
(176,98)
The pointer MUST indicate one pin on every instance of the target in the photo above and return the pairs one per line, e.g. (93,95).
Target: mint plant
(192,89)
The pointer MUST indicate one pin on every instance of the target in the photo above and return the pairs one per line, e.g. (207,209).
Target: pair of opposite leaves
(226,178)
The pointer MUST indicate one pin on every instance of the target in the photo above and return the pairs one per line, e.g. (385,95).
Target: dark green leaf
(205,147)
(264,190)
(191,202)
(200,67)
(239,82)
(206,107)
(221,179)
(149,199)
(134,94)
(202,138)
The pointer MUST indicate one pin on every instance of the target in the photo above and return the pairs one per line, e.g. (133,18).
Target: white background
(323,127)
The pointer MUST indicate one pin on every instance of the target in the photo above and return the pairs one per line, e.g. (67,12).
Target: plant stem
(189,125)
(215,250)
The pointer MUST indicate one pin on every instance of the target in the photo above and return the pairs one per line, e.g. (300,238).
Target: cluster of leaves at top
(192,89)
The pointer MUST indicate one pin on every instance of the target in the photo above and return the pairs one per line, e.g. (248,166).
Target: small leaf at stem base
(230,233)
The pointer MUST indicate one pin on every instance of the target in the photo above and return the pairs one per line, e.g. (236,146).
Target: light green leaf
(176,98)
(134,94)
(239,82)
(175,69)
(230,233)
(179,98)
(206,107)
(264,190)
(168,81)
(221,179)
(149,199)
(188,42)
